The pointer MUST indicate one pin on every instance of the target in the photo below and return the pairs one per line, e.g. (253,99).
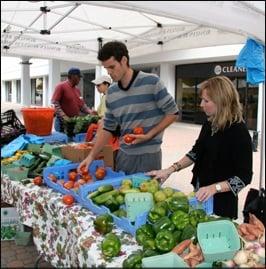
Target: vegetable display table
(64,235)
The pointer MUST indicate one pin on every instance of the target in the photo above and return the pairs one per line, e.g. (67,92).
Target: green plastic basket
(138,203)
(5,167)
(168,260)
(218,240)
(17,173)
(22,238)
(34,148)
(27,160)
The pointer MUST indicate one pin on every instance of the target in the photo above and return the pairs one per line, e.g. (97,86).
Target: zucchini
(105,188)
(93,194)
(102,198)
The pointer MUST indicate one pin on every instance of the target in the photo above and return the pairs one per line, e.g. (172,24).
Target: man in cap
(67,99)
(102,84)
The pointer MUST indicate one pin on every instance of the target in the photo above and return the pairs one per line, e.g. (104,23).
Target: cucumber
(93,194)
(102,198)
(105,188)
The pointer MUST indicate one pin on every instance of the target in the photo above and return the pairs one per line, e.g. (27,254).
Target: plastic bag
(255,204)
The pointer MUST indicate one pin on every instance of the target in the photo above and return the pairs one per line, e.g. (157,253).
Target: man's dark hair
(114,48)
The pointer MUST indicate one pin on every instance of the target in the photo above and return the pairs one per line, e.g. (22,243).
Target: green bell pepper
(150,252)
(111,245)
(178,203)
(134,260)
(103,223)
(156,213)
(163,224)
(180,219)
(165,241)
(188,232)
(196,216)
(143,233)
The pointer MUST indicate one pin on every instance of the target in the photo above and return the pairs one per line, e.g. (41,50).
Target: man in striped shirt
(135,99)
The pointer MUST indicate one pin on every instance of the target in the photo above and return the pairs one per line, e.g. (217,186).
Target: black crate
(11,126)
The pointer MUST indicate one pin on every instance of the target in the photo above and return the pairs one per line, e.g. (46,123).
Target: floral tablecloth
(63,234)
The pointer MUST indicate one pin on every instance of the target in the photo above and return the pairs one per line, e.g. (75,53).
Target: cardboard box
(10,223)
(70,152)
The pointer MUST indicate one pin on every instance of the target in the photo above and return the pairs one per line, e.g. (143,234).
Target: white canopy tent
(74,30)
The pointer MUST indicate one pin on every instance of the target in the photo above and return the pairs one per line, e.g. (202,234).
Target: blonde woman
(222,154)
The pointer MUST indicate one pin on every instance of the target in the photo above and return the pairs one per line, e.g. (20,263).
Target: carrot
(254,220)
(179,249)
(254,230)
(193,262)
(249,237)
(243,228)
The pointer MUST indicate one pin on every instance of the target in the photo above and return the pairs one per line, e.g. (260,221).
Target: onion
(251,245)
(229,264)
(260,252)
(241,257)
(254,257)
(244,265)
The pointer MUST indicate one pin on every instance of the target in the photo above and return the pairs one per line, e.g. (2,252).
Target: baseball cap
(102,79)
(74,71)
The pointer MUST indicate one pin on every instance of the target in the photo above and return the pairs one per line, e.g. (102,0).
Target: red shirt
(69,98)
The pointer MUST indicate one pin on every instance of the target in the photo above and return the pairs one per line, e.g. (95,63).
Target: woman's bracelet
(177,166)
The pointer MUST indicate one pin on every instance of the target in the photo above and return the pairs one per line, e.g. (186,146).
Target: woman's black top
(225,155)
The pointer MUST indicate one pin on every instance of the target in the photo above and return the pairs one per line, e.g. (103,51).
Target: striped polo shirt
(144,104)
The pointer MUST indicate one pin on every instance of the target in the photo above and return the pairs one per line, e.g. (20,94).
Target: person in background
(67,99)
(102,84)
(136,99)
(222,154)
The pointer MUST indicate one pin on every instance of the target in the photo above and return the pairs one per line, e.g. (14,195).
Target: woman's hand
(204,193)
(160,174)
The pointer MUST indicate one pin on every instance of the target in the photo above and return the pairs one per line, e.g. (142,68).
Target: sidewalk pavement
(178,140)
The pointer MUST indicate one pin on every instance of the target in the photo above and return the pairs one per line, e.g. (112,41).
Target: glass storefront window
(189,78)
(8,86)
(36,91)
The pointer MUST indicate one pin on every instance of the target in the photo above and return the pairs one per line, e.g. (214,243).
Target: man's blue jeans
(58,126)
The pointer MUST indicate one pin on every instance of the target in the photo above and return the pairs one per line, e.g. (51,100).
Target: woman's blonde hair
(223,93)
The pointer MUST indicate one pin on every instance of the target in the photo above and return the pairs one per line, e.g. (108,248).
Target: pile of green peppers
(103,223)
(111,245)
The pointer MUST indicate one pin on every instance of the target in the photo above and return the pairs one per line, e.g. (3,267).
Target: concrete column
(25,82)
(167,75)
(44,91)
(99,71)
(14,91)
(53,79)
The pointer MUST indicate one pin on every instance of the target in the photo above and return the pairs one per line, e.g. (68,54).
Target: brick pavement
(13,256)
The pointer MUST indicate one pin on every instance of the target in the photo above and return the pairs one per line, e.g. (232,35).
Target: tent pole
(262,141)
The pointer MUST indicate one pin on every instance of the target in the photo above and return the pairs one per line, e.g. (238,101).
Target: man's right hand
(85,163)
(66,118)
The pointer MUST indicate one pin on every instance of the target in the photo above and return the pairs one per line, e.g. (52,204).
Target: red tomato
(87,177)
(37,180)
(138,130)
(72,176)
(84,171)
(68,185)
(68,199)
(100,173)
(52,177)
(128,139)
(81,181)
